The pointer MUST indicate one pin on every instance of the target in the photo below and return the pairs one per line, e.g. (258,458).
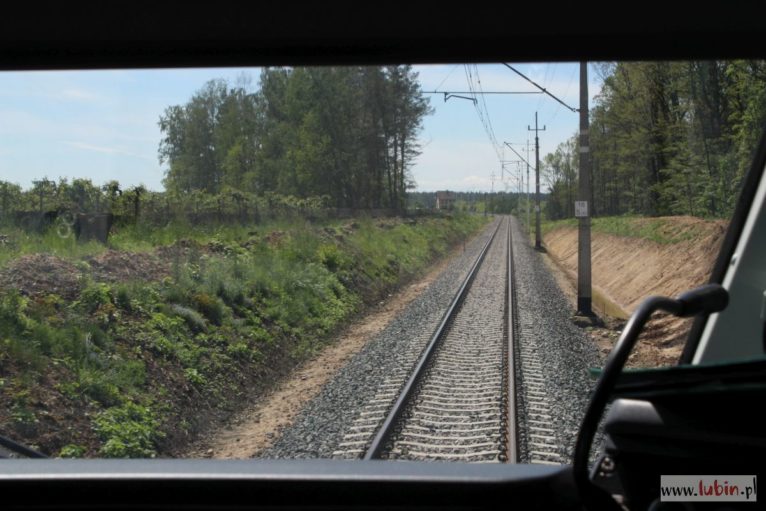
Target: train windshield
(402,262)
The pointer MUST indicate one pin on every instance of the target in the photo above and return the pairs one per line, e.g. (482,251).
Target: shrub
(98,386)
(210,307)
(128,431)
(94,296)
(123,298)
(194,377)
(130,375)
(72,451)
(13,309)
(232,292)
(243,351)
(332,258)
(193,318)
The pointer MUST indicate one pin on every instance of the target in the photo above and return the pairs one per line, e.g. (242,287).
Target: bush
(332,258)
(72,451)
(123,298)
(128,431)
(193,318)
(98,386)
(13,317)
(210,307)
(194,377)
(130,375)
(94,296)
(243,351)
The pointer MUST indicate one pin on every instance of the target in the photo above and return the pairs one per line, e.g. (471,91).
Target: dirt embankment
(625,270)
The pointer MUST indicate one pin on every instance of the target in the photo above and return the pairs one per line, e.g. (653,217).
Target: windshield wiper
(12,449)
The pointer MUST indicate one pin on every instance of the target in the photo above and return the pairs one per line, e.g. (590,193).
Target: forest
(666,138)
(306,141)
(347,133)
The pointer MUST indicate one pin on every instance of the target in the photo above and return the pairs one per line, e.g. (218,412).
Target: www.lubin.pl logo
(708,488)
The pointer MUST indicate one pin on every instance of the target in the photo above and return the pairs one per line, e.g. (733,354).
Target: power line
(486,110)
(543,89)
(482,92)
(545,82)
(566,91)
(517,153)
(482,111)
(448,75)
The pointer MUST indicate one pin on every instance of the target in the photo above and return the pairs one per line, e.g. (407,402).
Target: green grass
(221,316)
(659,230)
(143,237)
(62,244)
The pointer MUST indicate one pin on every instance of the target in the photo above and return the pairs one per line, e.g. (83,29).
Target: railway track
(459,400)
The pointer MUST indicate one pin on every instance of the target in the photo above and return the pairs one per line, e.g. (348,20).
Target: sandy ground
(258,427)
(627,270)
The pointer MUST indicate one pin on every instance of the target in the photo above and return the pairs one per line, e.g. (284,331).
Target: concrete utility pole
(527,184)
(582,206)
(521,171)
(538,241)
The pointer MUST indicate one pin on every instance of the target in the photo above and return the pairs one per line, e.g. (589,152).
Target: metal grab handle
(702,300)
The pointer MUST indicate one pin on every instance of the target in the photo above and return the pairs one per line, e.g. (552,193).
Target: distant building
(445,200)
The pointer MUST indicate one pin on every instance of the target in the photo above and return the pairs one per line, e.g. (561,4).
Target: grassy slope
(136,368)
(662,230)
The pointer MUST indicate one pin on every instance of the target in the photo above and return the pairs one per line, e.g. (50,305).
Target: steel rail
(384,433)
(512,455)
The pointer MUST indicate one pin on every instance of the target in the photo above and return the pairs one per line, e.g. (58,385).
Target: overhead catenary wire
(545,82)
(486,110)
(566,91)
(482,92)
(543,89)
(481,110)
(448,75)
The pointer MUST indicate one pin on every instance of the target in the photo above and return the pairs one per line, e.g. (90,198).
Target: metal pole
(584,296)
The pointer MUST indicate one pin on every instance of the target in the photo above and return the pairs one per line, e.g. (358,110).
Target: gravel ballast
(544,318)
(320,427)
(564,351)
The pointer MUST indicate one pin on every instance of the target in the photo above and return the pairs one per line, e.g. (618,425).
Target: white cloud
(455,165)
(78,95)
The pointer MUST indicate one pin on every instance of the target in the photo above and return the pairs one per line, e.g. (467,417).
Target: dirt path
(257,428)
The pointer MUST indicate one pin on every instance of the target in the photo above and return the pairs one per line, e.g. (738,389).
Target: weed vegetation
(137,367)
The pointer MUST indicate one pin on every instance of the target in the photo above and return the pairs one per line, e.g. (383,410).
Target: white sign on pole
(581,208)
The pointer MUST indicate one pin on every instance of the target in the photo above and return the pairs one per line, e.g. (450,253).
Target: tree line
(346,133)
(502,203)
(47,203)
(666,138)
(79,195)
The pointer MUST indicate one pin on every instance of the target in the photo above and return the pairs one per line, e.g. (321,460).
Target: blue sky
(102,125)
